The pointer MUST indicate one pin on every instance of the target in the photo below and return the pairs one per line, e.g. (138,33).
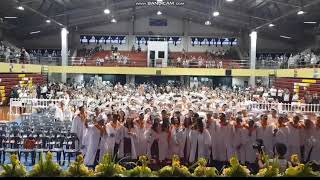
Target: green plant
(301,170)
(141,171)
(176,170)
(46,168)
(79,169)
(107,168)
(203,171)
(15,169)
(236,169)
(271,169)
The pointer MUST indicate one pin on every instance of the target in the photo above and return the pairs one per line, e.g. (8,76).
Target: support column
(64,52)
(253,55)
(185,34)
(1,34)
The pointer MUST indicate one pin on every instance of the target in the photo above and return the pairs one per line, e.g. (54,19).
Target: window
(161,54)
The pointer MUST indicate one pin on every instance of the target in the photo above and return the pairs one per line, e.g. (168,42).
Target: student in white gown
(200,142)
(295,136)
(315,154)
(63,113)
(237,141)
(281,133)
(164,141)
(264,132)
(127,144)
(94,142)
(309,140)
(141,142)
(248,139)
(152,136)
(176,137)
(212,128)
(223,141)
(79,124)
(113,129)
(184,141)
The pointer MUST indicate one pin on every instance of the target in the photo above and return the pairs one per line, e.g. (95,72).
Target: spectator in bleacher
(139,48)
(133,48)
(101,61)
(38,91)
(22,56)
(46,54)
(112,48)
(54,54)
(308,97)
(220,64)
(315,98)
(44,91)
(106,58)
(7,54)
(179,62)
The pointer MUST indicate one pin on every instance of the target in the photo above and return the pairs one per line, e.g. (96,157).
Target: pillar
(185,34)
(1,34)
(253,55)
(64,52)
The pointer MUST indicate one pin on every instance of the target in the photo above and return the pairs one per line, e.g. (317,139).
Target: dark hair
(187,120)
(199,125)
(129,123)
(155,124)
(165,125)
(116,117)
(280,149)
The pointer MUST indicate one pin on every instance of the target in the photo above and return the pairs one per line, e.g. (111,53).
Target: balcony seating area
(298,85)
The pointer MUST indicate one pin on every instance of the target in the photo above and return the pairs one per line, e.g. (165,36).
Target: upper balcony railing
(217,64)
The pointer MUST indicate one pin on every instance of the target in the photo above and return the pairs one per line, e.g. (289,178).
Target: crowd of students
(160,121)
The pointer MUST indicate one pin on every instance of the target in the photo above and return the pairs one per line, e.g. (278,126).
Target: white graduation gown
(282,137)
(203,140)
(163,145)
(308,134)
(266,134)
(315,154)
(248,141)
(294,140)
(223,142)
(92,145)
(238,140)
(79,128)
(151,136)
(141,142)
(184,142)
(175,141)
(133,138)
(213,133)
(113,138)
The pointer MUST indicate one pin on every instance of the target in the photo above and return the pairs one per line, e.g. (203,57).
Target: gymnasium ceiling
(236,16)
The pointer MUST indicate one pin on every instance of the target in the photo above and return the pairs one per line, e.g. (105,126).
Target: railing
(284,107)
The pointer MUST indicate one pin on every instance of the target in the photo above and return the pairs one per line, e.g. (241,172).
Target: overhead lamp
(106,11)
(216,13)
(271,25)
(159,13)
(113,20)
(301,12)
(207,23)
(10,17)
(310,22)
(159,0)
(286,37)
(48,21)
(229,0)
(21,8)
(35,32)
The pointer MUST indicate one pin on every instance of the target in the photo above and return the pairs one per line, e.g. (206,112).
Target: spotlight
(301,12)
(159,13)
(310,22)
(113,20)
(48,21)
(106,11)
(159,0)
(229,0)
(216,13)
(35,32)
(286,37)
(10,17)
(20,8)
(271,25)
(208,23)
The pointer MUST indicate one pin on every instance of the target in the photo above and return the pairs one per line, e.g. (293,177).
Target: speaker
(228,72)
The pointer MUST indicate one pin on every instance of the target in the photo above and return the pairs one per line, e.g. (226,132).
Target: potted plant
(175,170)
(236,169)
(107,168)
(203,171)
(299,170)
(79,169)
(46,168)
(141,171)
(15,169)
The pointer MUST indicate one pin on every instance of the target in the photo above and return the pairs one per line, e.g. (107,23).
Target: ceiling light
(216,13)
(271,25)
(159,13)
(310,22)
(208,23)
(35,32)
(106,11)
(10,17)
(301,12)
(113,20)
(229,0)
(159,0)
(20,8)
(48,21)
(286,37)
